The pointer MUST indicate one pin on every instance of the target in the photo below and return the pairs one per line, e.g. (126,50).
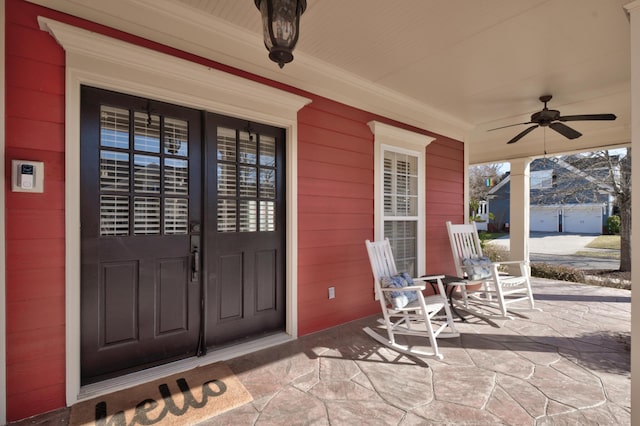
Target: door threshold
(139,377)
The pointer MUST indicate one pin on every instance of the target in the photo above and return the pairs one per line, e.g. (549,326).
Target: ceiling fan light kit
(552,118)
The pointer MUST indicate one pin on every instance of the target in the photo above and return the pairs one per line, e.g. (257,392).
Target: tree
(620,180)
(478,177)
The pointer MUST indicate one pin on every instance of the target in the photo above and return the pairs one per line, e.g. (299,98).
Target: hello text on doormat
(180,399)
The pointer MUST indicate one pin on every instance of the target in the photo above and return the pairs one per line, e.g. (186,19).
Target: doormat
(181,399)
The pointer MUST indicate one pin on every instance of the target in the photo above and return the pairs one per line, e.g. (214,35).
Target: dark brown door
(141,214)
(245,216)
(182,227)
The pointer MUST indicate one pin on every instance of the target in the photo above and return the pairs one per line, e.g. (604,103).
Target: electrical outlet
(332,292)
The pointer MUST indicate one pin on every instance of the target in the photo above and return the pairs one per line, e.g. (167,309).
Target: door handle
(195,264)
(195,258)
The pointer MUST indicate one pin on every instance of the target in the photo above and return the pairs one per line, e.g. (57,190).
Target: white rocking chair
(497,291)
(414,318)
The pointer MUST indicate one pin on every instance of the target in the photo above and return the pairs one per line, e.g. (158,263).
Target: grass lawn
(611,242)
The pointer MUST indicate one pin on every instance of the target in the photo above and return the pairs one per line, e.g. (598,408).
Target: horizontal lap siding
(34,222)
(445,200)
(335,211)
(335,215)
(335,207)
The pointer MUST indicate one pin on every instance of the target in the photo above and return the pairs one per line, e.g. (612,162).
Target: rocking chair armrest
(428,278)
(407,288)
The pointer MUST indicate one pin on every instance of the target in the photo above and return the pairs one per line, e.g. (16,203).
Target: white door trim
(100,61)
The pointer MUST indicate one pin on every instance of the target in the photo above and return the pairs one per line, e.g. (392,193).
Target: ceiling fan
(553,119)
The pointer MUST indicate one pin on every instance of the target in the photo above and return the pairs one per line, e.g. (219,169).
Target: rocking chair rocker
(406,311)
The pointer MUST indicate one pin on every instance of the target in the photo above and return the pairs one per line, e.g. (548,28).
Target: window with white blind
(400,194)
(144,174)
(246,181)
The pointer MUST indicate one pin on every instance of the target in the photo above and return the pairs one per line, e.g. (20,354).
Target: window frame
(394,139)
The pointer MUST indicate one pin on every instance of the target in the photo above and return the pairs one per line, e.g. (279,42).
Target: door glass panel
(267,151)
(146,132)
(268,183)
(226,180)
(176,216)
(114,127)
(176,176)
(114,215)
(155,171)
(175,137)
(227,215)
(267,216)
(146,216)
(247,148)
(226,144)
(114,171)
(248,182)
(146,173)
(248,216)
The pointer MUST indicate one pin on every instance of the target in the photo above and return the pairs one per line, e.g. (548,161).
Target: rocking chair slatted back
(381,259)
(465,244)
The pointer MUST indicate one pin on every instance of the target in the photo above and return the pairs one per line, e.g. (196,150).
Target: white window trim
(407,142)
(100,61)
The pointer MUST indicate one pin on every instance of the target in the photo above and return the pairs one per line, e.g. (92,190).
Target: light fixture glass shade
(280,25)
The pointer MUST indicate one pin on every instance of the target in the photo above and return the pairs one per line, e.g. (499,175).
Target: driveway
(559,248)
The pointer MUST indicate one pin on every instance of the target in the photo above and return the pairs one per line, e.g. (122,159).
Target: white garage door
(543,219)
(583,219)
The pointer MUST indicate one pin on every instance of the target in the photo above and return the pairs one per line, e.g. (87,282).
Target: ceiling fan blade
(565,130)
(586,117)
(510,125)
(522,134)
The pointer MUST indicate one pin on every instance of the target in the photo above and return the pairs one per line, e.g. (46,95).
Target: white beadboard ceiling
(455,67)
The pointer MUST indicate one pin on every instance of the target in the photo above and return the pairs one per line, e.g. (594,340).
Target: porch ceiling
(455,67)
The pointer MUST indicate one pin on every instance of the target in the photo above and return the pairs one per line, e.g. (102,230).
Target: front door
(182,228)
(245,241)
(141,213)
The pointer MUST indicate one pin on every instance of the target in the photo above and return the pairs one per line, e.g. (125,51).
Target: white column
(634,17)
(519,209)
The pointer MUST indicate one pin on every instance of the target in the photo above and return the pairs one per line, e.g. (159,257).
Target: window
(400,194)
(157,186)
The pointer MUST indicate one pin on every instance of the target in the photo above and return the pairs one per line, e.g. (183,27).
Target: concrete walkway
(567,365)
(560,249)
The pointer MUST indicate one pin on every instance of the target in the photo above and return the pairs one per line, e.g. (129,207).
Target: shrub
(613,224)
(495,253)
(557,272)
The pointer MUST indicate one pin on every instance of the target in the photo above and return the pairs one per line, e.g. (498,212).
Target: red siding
(335,208)
(445,200)
(34,222)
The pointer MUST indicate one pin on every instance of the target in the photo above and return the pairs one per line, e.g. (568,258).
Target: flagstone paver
(567,365)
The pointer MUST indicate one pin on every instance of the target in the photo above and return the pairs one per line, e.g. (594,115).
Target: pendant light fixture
(281,25)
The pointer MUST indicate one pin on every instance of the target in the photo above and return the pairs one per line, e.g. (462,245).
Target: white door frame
(100,61)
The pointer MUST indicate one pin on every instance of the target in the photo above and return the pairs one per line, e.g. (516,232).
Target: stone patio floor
(569,364)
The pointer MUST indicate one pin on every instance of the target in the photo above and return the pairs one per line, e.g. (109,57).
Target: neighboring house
(189,206)
(563,197)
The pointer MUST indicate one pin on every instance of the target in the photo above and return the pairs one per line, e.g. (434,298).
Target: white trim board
(99,61)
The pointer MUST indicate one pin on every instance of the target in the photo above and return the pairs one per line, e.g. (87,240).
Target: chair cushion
(477,267)
(399,299)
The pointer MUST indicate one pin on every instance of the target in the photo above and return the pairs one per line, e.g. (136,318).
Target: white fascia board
(172,24)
